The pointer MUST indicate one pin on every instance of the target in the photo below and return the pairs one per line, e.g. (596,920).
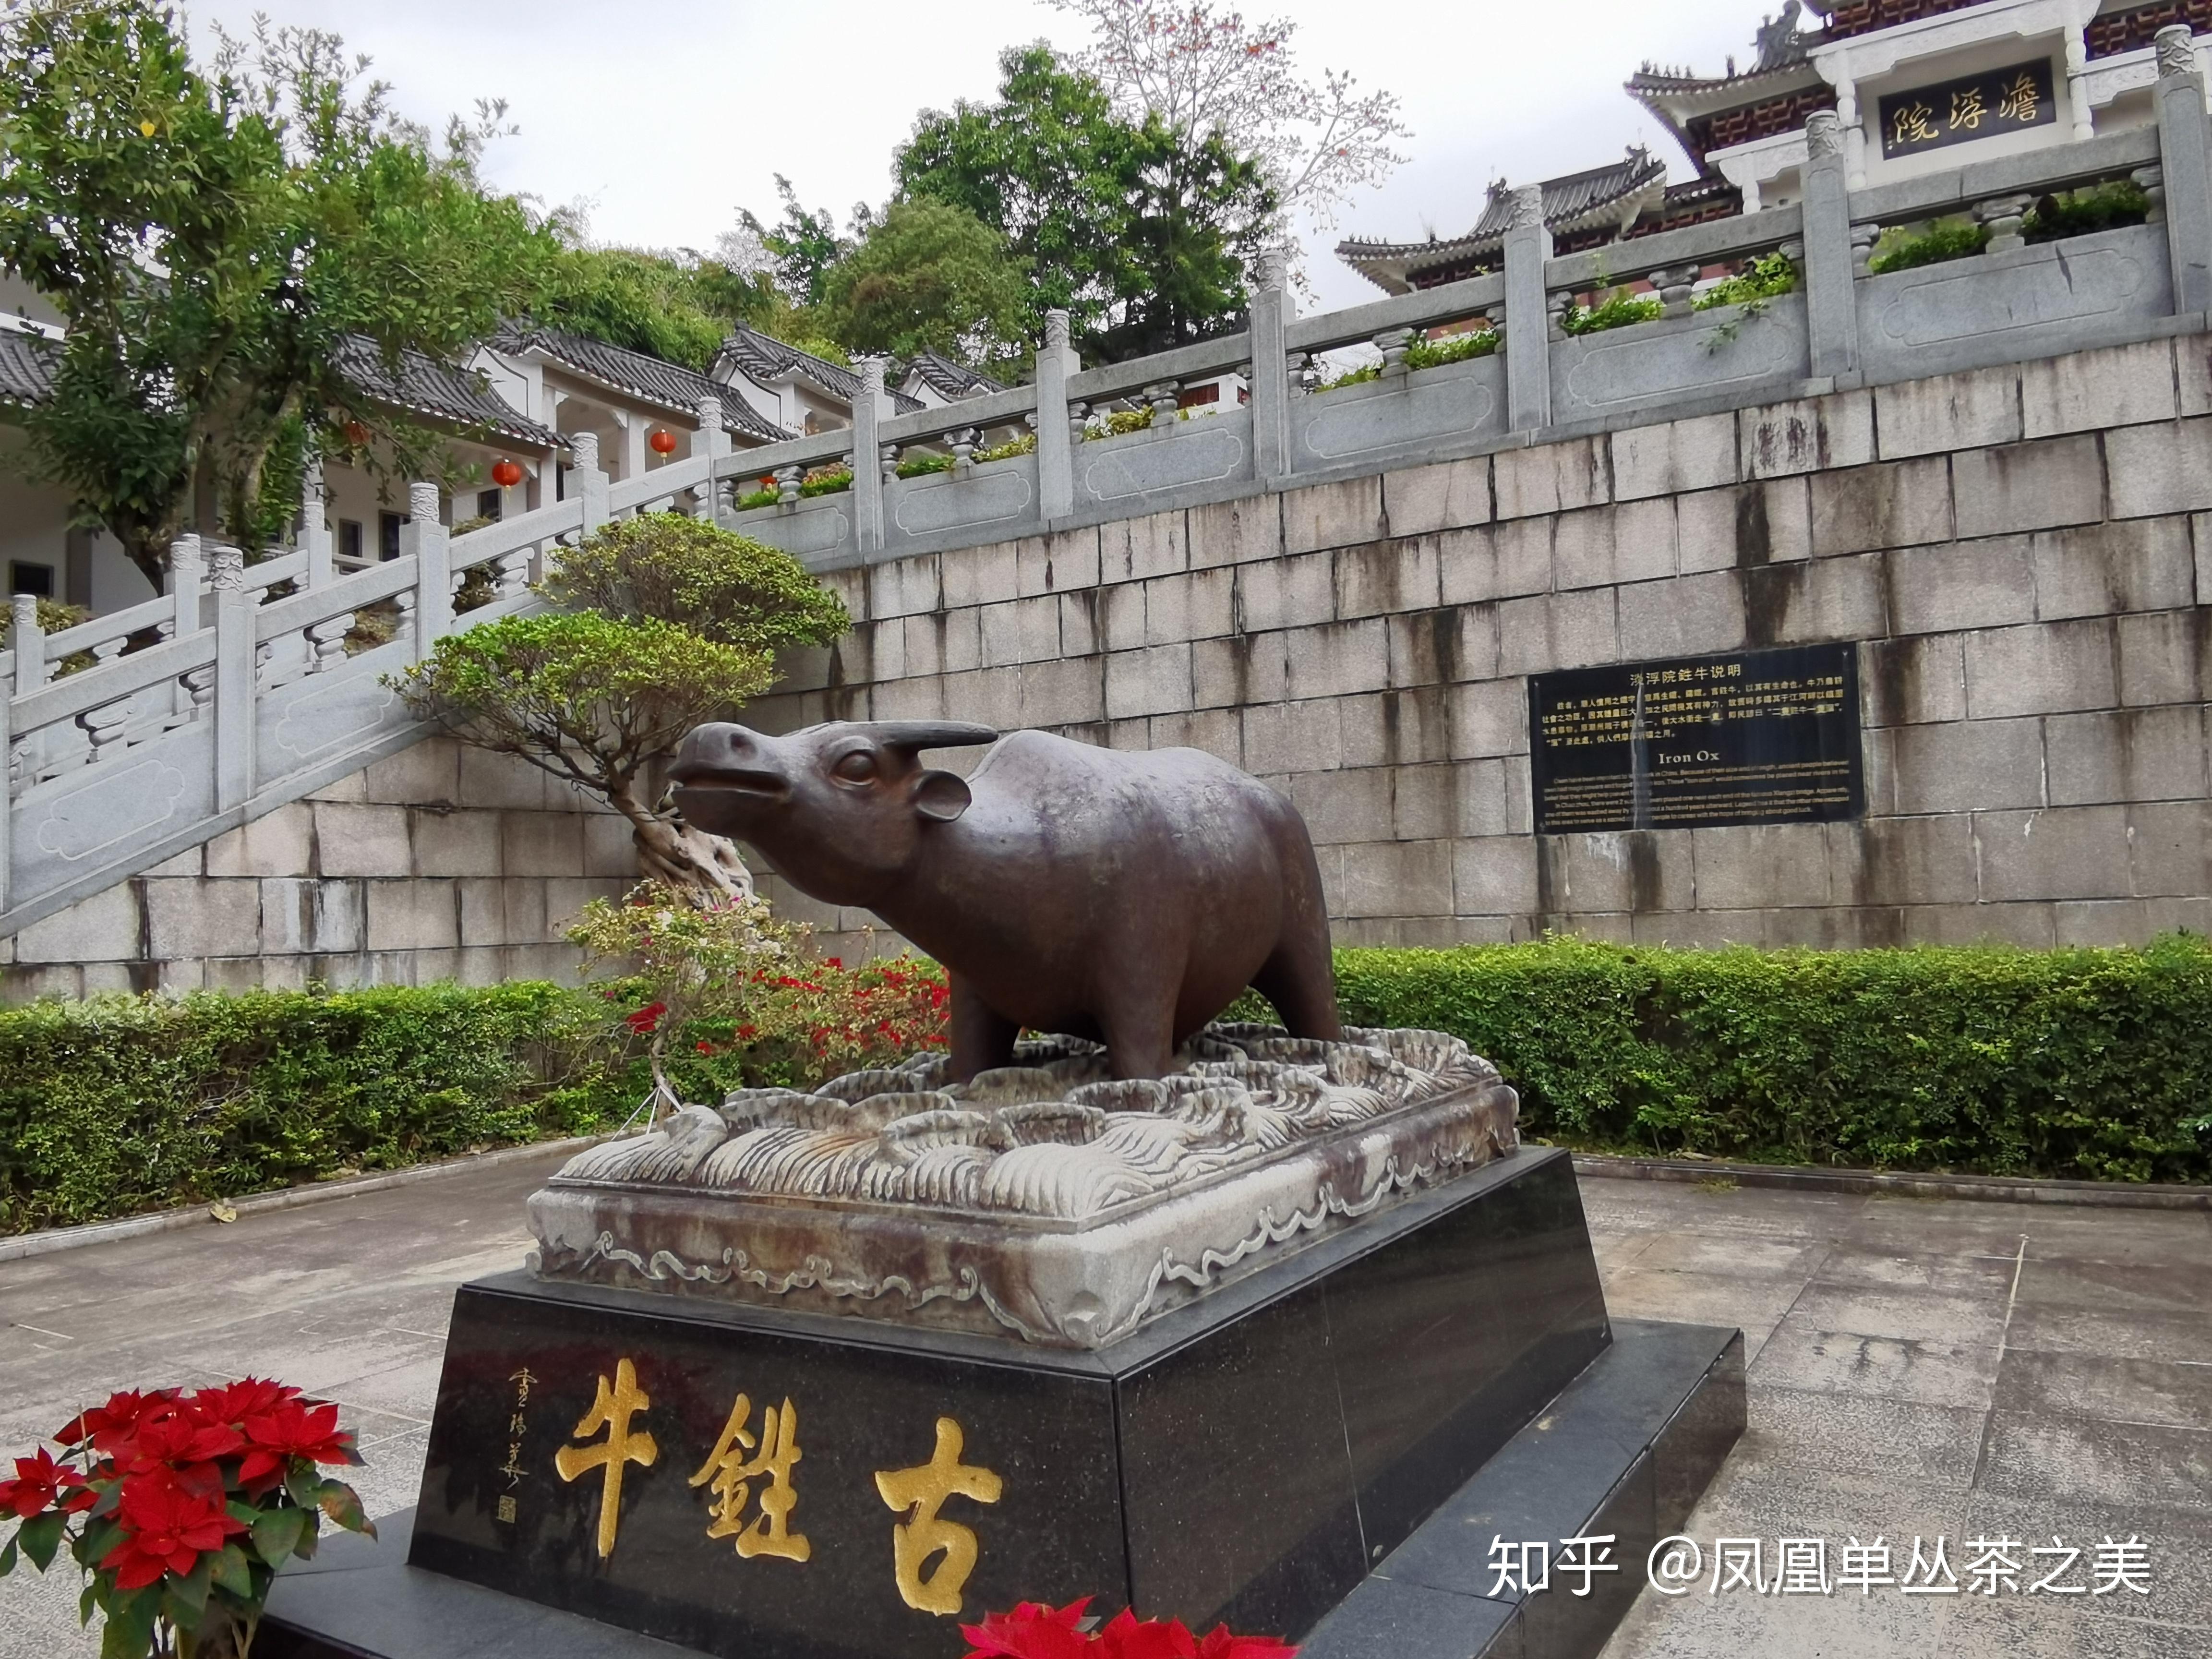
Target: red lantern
(356,434)
(663,440)
(506,473)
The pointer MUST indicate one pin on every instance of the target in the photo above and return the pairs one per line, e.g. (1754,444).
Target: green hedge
(2092,1064)
(2081,1064)
(127,1103)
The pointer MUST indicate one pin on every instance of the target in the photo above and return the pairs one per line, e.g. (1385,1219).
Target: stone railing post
(29,641)
(1055,450)
(1272,309)
(7,792)
(428,541)
(185,586)
(867,473)
(588,481)
(315,527)
(2185,162)
(234,662)
(1831,306)
(1527,349)
(711,440)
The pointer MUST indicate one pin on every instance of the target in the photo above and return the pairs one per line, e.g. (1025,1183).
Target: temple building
(1918,85)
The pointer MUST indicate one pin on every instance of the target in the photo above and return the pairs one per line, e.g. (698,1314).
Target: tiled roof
(1615,191)
(423,386)
(763,358)
(420,386)
(652,380)
(949,379)
(26,368)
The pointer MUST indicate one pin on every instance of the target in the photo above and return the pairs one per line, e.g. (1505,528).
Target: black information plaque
(2008,100)
(1750,737)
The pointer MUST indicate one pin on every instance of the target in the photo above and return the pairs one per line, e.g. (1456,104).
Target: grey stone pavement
(1917,1367)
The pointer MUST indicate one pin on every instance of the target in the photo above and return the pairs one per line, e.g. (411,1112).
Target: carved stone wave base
(1247,1456)
(1045,1201)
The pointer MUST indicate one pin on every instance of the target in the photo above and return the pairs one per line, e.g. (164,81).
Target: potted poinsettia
(179,1507)
(1034,1630)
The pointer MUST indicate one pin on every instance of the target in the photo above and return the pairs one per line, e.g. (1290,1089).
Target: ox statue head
(839,810)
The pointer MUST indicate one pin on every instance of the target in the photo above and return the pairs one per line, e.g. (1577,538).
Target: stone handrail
(1842,326)
(215,702)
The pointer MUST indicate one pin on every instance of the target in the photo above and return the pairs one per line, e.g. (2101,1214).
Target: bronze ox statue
(1127,898)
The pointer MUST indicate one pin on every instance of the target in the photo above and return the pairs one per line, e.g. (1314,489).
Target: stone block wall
(439,862)
(2023,555)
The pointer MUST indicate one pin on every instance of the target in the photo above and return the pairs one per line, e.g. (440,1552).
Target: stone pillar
(1272,309)
(1528,347)
(315,526)
(1055,451)
(2186,161)
(7,792)
(711,442)
(1831,308)
(235,660)
(1853,130)
(425,539)
(587,483)
(29,641)
(867,472)
(2077,85)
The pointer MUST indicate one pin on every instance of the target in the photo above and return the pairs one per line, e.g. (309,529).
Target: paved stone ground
(1916,1366)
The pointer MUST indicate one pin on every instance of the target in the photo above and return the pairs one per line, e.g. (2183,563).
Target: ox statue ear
(941,795)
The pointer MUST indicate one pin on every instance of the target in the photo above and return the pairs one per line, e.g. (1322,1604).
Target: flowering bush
(725,996)
(1034,1630)
(180,1507)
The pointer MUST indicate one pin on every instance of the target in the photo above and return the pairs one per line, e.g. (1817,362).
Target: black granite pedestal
(1250,1457)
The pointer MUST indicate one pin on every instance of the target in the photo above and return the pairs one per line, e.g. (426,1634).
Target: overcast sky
(666,118)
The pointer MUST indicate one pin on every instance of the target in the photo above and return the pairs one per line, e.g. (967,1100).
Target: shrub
(123,1103)
(766,495)
(826,481)
(1765,278)
(2093,207)
(1617,310)
(1901,248)
(1452,348)
(921,466)
(2084,1064)
(1359,376)
(1024,444)
(1115,422)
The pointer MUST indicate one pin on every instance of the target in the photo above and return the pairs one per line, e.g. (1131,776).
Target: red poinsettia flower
(1125,1638)
(646,1020)
(40,1483)
(179,1437)
(1219,1643)
(1031,1630)
(234,1403)
(116,1423)
(293,1429)
(166,1528)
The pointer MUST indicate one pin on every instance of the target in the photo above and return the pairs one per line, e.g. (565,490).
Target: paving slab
(1916,1366)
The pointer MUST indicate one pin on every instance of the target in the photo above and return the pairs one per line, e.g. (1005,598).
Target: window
(24,577)
(387,534)
(488,502)
(349,545)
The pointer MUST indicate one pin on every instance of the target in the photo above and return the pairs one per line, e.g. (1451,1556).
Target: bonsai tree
(661,623)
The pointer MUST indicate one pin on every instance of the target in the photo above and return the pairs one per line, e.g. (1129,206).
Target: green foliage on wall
(1902,247)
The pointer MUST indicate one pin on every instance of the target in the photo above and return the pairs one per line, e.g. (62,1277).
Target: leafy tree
(801,248)
(1047,166)
(212,239)
(929,276)
(1140,231)
(676,305)
(667,622)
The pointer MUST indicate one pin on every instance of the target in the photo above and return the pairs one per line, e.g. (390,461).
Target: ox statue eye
(856,768)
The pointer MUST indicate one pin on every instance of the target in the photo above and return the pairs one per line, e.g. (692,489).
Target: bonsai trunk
(706,868)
